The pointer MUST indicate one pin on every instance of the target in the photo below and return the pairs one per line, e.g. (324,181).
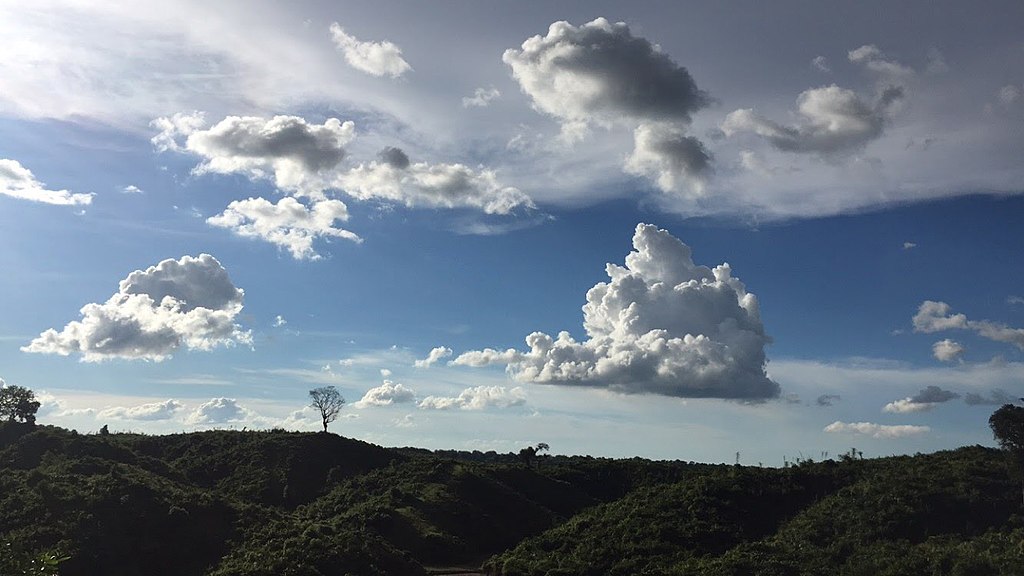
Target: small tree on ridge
(328,401)
(18,404)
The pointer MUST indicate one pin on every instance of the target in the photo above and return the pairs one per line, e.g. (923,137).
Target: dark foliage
(278,503)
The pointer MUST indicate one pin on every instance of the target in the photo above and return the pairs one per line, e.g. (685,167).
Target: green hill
(278,503)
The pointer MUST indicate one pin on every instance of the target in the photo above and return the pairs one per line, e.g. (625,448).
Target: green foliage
(18,404)
(1007,425)
(282,503)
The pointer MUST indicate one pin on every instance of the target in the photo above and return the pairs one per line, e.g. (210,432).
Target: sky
(696,231)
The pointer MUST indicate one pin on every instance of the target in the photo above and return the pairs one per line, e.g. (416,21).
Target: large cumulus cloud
(188,302)
(660,325)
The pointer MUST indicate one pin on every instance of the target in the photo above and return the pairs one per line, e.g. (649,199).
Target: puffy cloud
(875,60)
(386,394)
(431,185)
(279,321)
(477,398)
(909,245)
(289,224)
(599,72)
(153,411)
(481,97)
(922,401)
(394,157)
(937,316)
(876,430)
(376,58)
(947,350)
(289,149)
(17,181)
(662,325)
(173,127)
(827,399)
(131,189)
(188,302)
(996,397)
(832,120)
(219,411)
(436,355)
(663,153)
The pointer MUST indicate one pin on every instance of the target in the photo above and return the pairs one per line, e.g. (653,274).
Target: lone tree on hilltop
(328,401)
(1007,425)
(18,404)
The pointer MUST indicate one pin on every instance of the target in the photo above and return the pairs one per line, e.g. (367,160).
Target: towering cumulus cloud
(188,302)
(661,325)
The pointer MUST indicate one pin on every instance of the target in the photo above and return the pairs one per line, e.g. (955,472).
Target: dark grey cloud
(997,397)
(393,157)
(827,399)
(599,72)
(831,120)
(923,401)
(670,158)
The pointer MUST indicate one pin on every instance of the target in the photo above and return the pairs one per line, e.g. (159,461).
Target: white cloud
(947,350)
(279,321)
(17,181)
(937,316)
(386,394)
(437,354)
(909,245)
(153,411)
(477,398)
(1008,94)
(820,63)
(171,128)
(131,189)
(376,58)
(662,325)
(674,161)
(481,97)
(220,411)
(289,224)
(832,120)
(876,61)
(432,185)
(876,430)
(600,73)
(188,302)
(292,151)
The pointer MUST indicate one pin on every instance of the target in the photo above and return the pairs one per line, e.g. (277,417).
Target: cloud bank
(876,430)
(146,412)
(477,398)
(661,325)
(188,302)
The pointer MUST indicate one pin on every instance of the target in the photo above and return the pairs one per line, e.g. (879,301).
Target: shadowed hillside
(279,503)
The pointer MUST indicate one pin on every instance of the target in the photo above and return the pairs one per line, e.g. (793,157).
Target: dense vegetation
(279,503)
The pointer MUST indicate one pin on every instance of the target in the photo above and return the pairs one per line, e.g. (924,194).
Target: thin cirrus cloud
(661,325)
(599,73)
(477,398)
(190,302)
(17,181)
(376,58)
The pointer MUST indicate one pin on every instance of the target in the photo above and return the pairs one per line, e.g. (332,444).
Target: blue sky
(411,201)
